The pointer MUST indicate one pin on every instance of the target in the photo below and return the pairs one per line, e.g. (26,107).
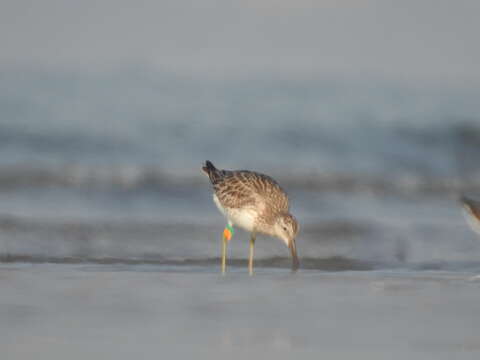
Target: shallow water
(117,312)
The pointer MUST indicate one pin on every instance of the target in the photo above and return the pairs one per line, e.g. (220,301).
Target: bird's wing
(270,190)
(247,188)
(472,205)
(472,210)
(232,192)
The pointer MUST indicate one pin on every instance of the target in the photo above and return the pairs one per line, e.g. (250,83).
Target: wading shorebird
(256,203)
(472,209)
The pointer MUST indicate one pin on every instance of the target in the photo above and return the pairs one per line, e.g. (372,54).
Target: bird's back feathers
(243,188)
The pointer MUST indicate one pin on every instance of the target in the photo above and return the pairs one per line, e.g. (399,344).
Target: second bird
(256,203)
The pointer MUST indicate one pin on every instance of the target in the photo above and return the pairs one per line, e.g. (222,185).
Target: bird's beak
(293,248)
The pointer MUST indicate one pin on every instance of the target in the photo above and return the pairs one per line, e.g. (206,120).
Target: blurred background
(367,112)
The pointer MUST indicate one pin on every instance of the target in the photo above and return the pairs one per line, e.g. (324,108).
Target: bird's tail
(213,173)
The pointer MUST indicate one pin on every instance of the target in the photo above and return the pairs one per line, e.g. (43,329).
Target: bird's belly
(244,218)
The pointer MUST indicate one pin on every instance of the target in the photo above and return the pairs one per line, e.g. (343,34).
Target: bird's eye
(284,228)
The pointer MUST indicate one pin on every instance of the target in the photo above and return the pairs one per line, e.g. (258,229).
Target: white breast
(219,206)
(244,218)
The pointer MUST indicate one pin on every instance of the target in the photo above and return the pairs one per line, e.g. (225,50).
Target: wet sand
(68,311)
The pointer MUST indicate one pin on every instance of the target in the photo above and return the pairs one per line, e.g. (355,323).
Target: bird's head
(286,228)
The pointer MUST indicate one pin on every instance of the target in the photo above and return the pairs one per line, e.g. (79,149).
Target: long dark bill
(293,248)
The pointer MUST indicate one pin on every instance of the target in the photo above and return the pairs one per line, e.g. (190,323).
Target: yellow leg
(250,259)
(224,254)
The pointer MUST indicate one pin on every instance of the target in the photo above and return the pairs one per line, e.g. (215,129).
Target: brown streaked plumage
(256,203)
(472,209)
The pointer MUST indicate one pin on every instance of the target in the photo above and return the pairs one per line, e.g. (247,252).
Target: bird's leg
(250,259)
(224,254)
(227,236)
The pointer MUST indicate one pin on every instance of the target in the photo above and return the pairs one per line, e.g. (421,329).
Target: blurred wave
(332,264)
(141,117)
(347,244)
(155,178)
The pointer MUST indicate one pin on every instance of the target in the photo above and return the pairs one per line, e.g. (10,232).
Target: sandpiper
(472,209)
(256,203)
